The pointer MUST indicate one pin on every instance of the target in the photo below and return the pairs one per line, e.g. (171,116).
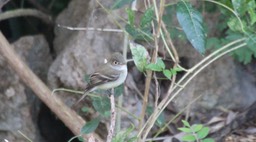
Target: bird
(109,75)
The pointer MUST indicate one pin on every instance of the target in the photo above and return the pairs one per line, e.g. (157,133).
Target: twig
(2,3)
(90,29)
(176,116)
(169,40)
(149,73)
(121,97)
(26,137)
(157,90)
(113,117)
(26,12)
(73,121)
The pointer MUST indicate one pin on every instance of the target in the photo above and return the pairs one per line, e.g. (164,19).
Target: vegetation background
(191,78)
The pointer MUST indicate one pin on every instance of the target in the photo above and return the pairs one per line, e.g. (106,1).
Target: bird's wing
(99,78)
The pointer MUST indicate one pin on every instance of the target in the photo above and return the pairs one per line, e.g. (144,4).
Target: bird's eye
(115,63)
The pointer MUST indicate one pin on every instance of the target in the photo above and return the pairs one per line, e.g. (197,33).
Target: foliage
(90,126)
(238,23)
(191,22)
(140,57)
(241,24)
(143,30)
(124,136)
(195,132)
(160,120)
(121,3)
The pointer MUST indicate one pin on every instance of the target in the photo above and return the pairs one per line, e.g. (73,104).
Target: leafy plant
(192,24)
(236,30)
(196,132)
(124,136)
(242,23)
(90,126)
(140,57)
(143,30)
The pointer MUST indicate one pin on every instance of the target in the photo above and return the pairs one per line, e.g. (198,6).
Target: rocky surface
(79,52)
(223,85)
(19,106)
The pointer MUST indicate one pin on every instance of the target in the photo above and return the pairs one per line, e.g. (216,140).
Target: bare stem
(113,117)
(26,12)
(90,29)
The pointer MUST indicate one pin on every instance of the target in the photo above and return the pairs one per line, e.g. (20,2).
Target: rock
(18,108)
(80,52)
(223,84)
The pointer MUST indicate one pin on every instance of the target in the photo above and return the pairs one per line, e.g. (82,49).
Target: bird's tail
(86,91)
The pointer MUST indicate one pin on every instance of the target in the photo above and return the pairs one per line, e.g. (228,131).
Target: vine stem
(26,12)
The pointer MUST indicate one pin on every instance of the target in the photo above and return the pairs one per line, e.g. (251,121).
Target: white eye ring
(115,63)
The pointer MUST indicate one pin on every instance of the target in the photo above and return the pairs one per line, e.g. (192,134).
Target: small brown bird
(107,76)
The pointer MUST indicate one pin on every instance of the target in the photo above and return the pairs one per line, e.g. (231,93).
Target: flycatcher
(109,75)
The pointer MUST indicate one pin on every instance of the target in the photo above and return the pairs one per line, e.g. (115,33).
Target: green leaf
(131,16)
(132,31)
(251,10)
(185,123)
(140,55)
(101,105)
(212,43)
(154,67)
(121,3)
(239,7)
(235,25)
(147,18)
(186,130)
(192,24)
(87,78)
(119,90)
(243,55)
(167,73)
(160,120)
(251,42)
(80,139)
(175,70)
(188,138)
(123,136)
(158,66)
(160,63)
(90,126)
(208,140)
(85,109)
(203,133)
(196,127)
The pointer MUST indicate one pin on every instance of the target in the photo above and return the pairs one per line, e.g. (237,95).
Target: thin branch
(2,3)
(26,12)
(121,97)
(90,29)
(73,121)
(26,137)
(111,130)
(157,90)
